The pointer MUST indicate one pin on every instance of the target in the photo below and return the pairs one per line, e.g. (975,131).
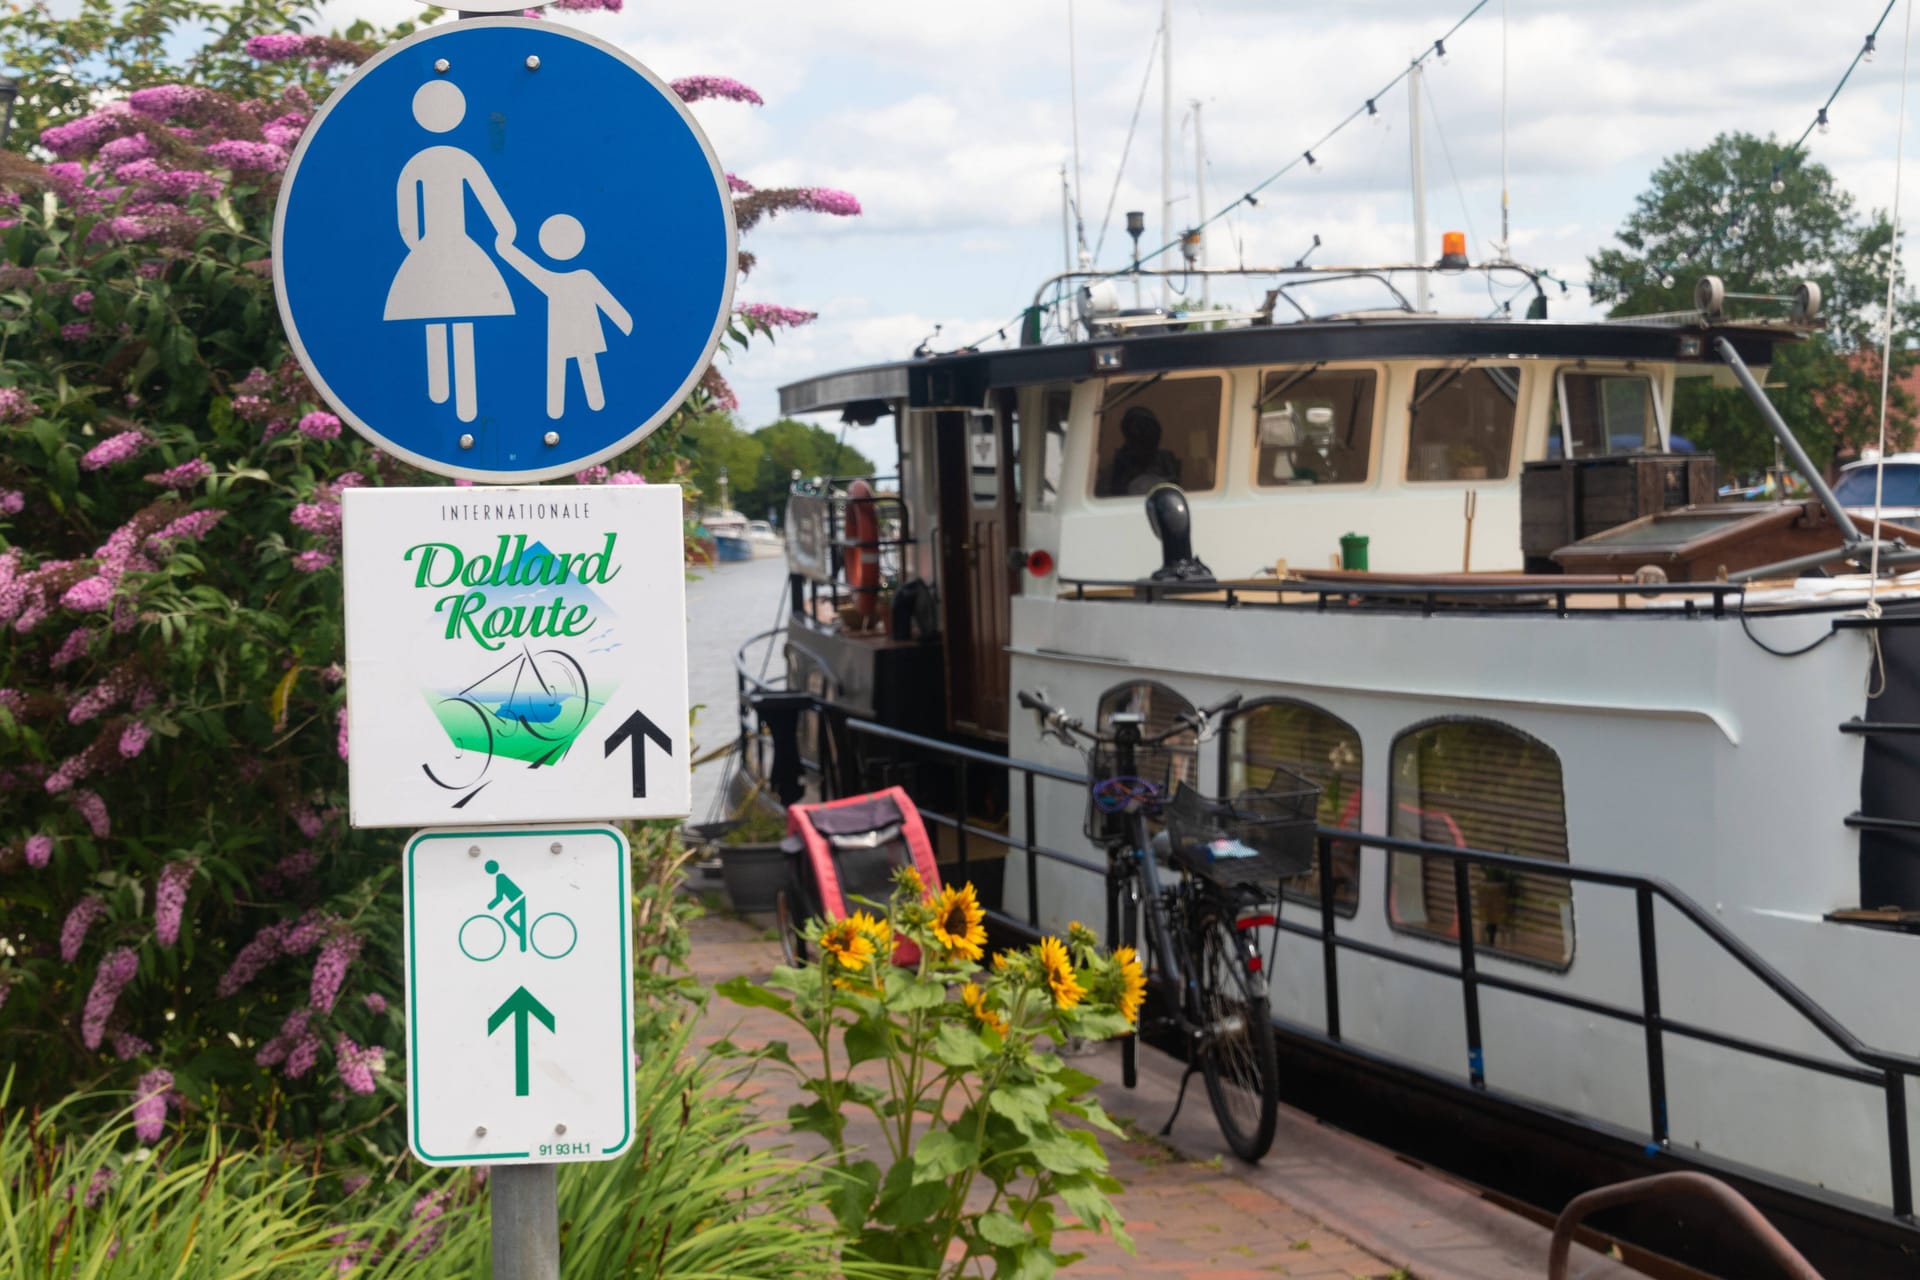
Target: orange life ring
(863,561)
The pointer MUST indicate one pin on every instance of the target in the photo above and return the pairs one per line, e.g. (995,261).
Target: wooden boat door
(978,503)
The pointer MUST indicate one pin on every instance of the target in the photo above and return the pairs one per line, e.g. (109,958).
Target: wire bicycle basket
(1257,837)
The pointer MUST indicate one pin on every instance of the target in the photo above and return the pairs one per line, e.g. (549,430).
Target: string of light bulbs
(1738,209)
(1250,198)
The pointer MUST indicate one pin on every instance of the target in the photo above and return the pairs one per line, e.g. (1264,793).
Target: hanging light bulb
(1440,51)
(1820,122)
(1866,54)
(1666,282)
(1313,166)
(1373,113)
(1778,184)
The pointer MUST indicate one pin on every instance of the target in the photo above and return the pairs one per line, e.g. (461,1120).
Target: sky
(951,123)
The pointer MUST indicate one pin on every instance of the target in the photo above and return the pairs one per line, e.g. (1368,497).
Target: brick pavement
(1193,1210)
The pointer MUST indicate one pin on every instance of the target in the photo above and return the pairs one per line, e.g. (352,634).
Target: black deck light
(1172,522)
(1136,227)
(9,91)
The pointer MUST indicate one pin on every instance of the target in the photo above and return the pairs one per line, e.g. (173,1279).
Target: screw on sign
(475,218)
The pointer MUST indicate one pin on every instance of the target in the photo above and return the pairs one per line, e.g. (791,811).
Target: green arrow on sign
(517,1006)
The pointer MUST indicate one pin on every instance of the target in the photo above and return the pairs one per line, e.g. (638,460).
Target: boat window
(1609,412)
(1163,707)
(1480,785)
(1314,427)
(1901,489)
(1323,749)
(1157,430)
(983,457)
(1462,422)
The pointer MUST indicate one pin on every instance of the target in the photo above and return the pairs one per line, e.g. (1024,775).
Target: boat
(729,530)
(765,540)
(1620,842)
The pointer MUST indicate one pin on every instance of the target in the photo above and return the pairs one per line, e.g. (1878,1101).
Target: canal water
(726,606)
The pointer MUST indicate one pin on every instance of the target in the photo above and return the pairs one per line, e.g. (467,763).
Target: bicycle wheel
(1237,1051)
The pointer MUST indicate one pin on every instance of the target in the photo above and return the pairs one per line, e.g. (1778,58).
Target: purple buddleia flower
(83,302)
(150,1105)
(309,821)
(302,1057)
(126,149)
(251,406)
(74,646)
(73,934)
(185,476)
(92,808)
(321,519)
(292,1032)
(827,200)
(340,744)
(15,405)
(696,88)
(113,449)
(319,425)
(357,1065)
(39,850)
(116,971)
(330,970)
(170,900)
(191,527)
(251,959)
(247,157)
(626,477)
(313,561)
(276,48)
(375,1002)
(133,739)
(775,316)
(306,934)
(739,186)
(592,475)
(89,595)
(127,1046)
(12,502)
(79,331)
(97,1187)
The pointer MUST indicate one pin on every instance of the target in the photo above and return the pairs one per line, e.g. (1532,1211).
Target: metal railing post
(1899,1159)
(1469,975)
(1650,1010)
(1329,945)
(1033,867)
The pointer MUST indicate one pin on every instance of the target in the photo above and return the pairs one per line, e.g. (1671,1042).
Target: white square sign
(519,994)
(515,654)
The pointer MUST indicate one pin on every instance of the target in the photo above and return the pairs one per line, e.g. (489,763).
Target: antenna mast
(1073,97)
(1420,298)
(1506,244)
(1200,208)
(1167,233)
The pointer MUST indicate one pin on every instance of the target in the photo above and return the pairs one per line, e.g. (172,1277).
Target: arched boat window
(1323,749)
(1155,430)
(1162,706)
(1461,422)
(1481,785)
(1314,426)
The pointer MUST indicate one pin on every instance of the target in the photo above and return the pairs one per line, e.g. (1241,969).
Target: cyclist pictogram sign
(519,994)
(515,655)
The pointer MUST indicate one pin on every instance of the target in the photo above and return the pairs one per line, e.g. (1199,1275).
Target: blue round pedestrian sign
(504,251)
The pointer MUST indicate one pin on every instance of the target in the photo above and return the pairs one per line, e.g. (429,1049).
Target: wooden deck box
(1567,499)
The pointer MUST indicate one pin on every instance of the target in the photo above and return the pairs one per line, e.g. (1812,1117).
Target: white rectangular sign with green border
(519,994)
(515,654)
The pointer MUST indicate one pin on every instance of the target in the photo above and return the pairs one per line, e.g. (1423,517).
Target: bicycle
(1206,980)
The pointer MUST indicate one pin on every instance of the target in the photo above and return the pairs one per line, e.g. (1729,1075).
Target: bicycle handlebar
(1058,721)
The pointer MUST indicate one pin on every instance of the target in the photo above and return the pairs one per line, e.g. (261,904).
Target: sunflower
(874,929)
(1133,983)
(848,944)
(1066,987)
(976,1002)
(959,923)
(908,879)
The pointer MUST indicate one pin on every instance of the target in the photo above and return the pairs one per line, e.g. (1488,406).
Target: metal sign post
(476,217)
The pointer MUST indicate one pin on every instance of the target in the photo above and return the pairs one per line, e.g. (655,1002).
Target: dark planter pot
(753,874)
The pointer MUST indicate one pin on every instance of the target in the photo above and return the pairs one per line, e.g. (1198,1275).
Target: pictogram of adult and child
(449,281)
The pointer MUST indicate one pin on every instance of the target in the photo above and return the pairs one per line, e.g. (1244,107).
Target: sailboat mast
(1420,299)
(1166,142)
(1200,207)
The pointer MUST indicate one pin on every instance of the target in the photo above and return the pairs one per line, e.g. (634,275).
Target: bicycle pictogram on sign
(483,936)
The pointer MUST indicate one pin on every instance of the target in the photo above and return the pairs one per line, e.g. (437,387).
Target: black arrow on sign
(636,727)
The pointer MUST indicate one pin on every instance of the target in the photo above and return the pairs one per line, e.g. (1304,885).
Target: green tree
(1714,212)
(713,444)
(789,445)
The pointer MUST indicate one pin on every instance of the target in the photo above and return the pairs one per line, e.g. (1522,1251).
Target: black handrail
(1880,1068)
